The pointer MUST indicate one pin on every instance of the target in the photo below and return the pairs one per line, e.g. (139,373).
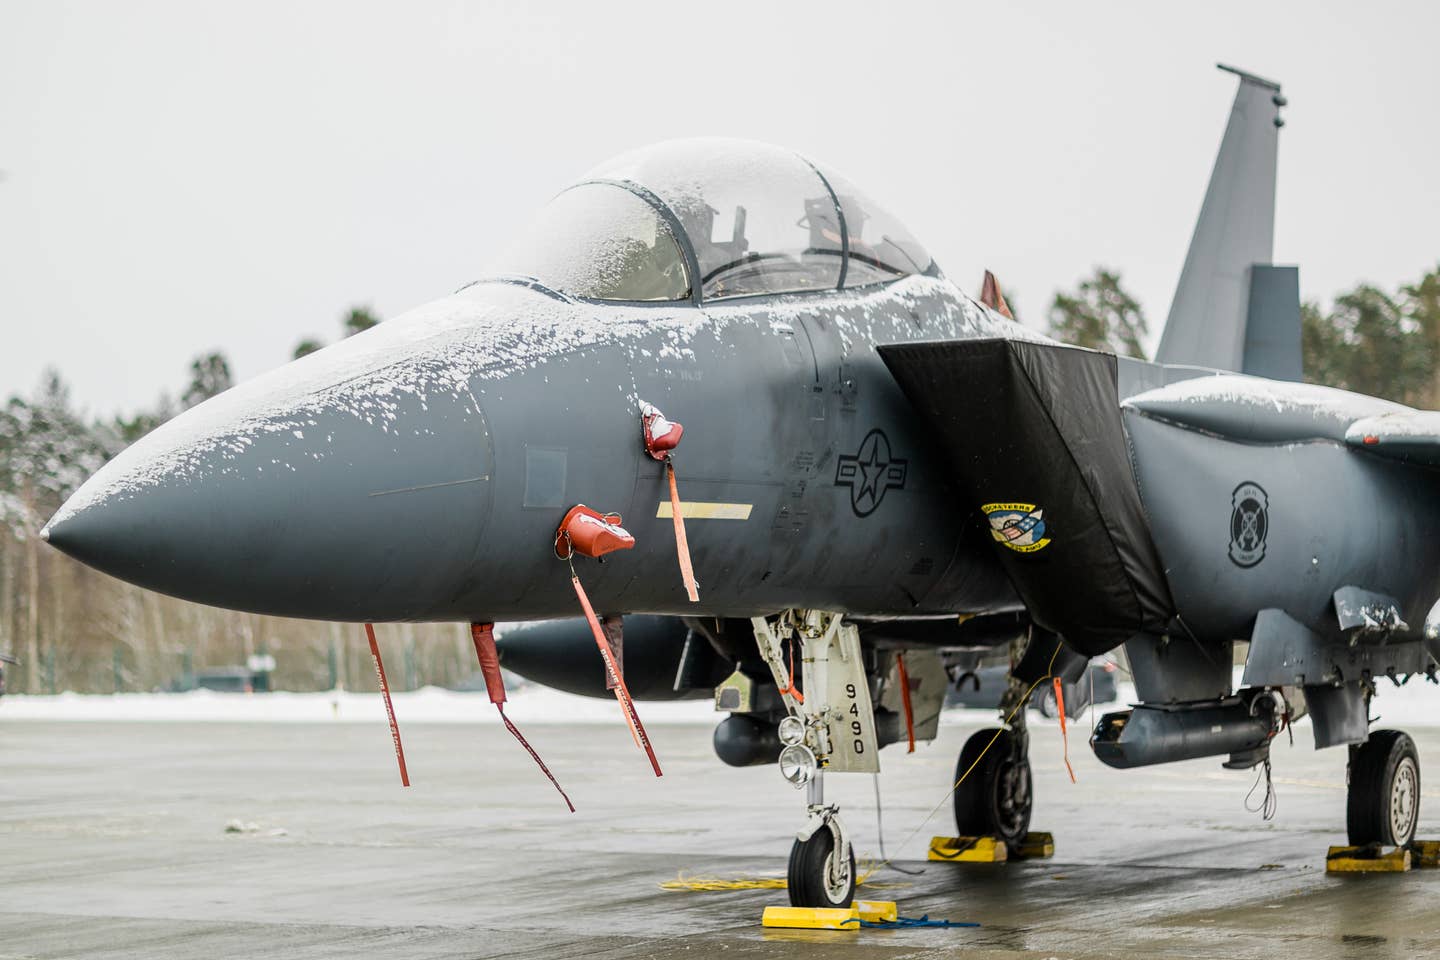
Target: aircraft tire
(1383,800)
(1048,708)
(808,878)
(996,798)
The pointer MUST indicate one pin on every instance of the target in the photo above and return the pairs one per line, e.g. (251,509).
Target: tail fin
(1233,309)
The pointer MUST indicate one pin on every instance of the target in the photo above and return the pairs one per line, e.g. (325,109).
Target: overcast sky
(180,177)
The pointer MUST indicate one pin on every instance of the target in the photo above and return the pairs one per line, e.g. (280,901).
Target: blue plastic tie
(899,922)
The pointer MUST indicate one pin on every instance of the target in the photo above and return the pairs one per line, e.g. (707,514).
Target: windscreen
(759,217)
(600,241)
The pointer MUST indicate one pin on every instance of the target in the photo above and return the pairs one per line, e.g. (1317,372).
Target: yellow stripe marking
(705,510)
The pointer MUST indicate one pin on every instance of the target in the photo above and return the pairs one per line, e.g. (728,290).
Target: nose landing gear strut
(830,726)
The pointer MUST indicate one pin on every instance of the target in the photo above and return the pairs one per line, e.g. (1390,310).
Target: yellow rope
(712,884)
(707,884)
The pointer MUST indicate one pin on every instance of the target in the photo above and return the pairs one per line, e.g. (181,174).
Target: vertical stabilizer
(1272,324)
(1212,310)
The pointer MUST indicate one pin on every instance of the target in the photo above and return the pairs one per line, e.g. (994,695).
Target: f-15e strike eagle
(882,478)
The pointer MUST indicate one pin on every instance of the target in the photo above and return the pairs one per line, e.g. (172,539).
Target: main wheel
(1383,803)
(815,879)
(996,798)
(1049,709)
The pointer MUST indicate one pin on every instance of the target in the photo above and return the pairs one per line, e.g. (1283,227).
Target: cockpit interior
(706,220)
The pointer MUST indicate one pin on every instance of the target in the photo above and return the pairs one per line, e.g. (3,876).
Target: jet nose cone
(67,533)
(345,487)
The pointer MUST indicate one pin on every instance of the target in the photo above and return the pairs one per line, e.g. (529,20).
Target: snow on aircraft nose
(352,484)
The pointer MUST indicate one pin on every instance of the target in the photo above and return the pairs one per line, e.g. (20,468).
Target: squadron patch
(1019,526)
(1249,524)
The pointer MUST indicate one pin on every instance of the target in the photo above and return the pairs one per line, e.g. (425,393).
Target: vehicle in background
(983,687)
(236,679)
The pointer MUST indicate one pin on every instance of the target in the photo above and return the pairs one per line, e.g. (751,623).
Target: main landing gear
(996,799)
(995,795)
(829,726)
(1383,802)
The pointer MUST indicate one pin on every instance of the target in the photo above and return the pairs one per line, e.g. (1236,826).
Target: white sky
(181,176)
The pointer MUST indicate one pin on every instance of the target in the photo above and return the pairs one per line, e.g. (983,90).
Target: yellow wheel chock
(1425,853)
(1034,846)
(1371,858)
(831,918)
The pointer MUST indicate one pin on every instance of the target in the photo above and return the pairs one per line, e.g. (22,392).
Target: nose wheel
(1383,801)
(822,869)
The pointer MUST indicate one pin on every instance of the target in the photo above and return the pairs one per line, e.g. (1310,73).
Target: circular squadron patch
(1019,526)
(1249,524)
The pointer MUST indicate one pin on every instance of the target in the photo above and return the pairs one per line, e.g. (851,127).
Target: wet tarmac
(113,844)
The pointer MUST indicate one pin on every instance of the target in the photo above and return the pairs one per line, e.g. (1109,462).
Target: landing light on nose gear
(798,764)
(792,731)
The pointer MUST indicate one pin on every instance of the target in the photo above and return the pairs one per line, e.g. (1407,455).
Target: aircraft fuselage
(418,471)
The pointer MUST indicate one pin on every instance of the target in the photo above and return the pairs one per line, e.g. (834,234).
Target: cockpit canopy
(724,218)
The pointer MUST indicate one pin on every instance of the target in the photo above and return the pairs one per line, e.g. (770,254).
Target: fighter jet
(828,498)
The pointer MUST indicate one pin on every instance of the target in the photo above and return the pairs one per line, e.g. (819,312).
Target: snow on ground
(427,705)
(530,705)
(1417,704)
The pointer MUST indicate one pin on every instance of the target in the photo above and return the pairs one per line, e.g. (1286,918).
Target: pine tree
(1100,315)
(1368,344)
(209,376)
(306,347)
(46,452)
(1421,305)
(1320,346)
(358,320)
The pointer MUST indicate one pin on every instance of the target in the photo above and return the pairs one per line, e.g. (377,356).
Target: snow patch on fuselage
(1259,410)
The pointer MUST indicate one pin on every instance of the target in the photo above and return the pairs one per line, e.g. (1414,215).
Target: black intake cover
(1034,433)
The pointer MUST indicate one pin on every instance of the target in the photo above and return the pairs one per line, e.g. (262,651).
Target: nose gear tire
(810,879)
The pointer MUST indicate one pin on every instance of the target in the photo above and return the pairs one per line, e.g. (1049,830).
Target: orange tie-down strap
(682,543)
(622,693)
(905,700)
(1064,736)
(790,687)
(389,706)
(483,636)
